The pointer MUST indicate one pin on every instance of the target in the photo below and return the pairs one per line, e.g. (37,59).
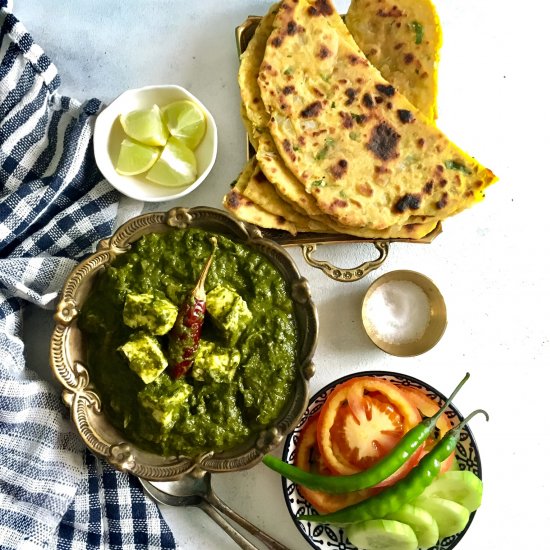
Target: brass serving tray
(309,241)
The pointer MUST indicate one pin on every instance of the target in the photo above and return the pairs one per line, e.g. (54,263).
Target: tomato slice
(361,421)
(428,407)
(309,458)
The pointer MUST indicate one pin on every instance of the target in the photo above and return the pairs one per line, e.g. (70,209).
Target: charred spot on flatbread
(442,202)
(339,169)
(405,116)
(324,52)
(386,89)
(365,189)
(351,94)
(259,176)
(338,203)
(347,119)
(287,146)
(367,101)
(409,201)
(312,110)
(383,141)
(233,199)
(321,7)
(292,28)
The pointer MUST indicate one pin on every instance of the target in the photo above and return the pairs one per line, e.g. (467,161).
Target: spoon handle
(220,506)
(208,509)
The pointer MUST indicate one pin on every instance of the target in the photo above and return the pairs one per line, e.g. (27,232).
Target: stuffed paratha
(366,154)
(288,184)
(401,38)
(276,214)
(253,111)
(260,191)
(284,181)
(247,211)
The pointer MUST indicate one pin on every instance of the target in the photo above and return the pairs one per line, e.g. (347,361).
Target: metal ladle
(196,490)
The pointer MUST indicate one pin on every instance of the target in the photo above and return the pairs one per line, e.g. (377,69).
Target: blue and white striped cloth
(54,204)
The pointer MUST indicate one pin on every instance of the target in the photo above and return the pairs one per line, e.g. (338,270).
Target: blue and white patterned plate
(324,537)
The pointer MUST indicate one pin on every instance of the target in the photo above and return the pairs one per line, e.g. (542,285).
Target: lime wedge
(176,166)
(135,158)
(145,126)
(185,120)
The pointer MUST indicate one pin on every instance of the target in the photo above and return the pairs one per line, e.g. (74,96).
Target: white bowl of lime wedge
(155,143)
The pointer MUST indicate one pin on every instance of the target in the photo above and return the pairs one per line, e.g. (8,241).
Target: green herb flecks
(333,105)
(354,136)
(418,30)
(343,195)
(325,77)
(319,183)
(411,159)
(288,71)
(329,142)
(454,165)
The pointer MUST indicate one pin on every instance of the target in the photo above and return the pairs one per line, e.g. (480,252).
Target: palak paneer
(245,367)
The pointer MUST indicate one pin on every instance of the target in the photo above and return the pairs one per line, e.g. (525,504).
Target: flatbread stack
(339,149)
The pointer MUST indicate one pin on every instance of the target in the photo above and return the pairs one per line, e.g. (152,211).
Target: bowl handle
(342,274)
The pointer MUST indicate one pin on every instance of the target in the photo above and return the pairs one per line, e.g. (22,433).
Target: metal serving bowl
(68,355)
(436,325)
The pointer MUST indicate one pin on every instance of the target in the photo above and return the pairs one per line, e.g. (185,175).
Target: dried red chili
(184,337)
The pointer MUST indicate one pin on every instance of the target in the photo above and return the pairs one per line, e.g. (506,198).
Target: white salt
(399,312)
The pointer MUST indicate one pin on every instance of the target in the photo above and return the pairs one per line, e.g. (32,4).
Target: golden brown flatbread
(253,111)
(248,211)
(402,39)
(284,181)
(366,154)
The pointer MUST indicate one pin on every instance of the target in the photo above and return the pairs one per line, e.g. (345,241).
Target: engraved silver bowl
(68,350)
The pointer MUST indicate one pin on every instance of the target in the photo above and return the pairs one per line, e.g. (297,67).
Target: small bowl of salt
(404,313)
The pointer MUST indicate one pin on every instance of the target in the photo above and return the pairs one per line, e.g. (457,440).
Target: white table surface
(491,262)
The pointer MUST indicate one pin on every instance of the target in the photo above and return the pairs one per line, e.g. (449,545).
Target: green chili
(405,490)
(383,469)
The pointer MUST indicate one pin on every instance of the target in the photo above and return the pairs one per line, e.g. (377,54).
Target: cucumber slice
(382,534)
(459,486)
(451,517)
(421,522)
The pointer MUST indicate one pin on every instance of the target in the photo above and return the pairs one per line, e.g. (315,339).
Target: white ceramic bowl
(108,136)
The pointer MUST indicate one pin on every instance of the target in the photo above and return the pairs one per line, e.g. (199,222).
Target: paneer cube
(215,363)
(229,312)
(149,313)
(165,399)
(145,356)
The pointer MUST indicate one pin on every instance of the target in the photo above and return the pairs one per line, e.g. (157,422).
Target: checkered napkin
(54,204)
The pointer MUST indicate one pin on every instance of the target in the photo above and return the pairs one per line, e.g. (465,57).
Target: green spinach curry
(246,362)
